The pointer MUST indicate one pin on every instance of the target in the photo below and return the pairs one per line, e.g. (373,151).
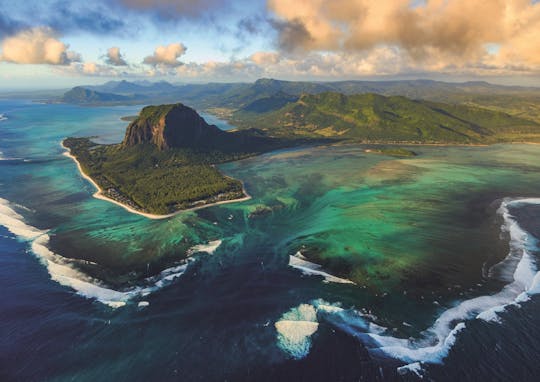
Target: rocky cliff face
(171,126)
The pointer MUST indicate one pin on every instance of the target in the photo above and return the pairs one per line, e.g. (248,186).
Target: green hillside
(224,98)
(377,118)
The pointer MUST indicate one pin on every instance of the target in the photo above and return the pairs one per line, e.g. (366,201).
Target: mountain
(373,117)
(228,97)
(241,95)
(515,100)
(137,87)
(166,161)
(176,126)
(81,95)
(267,104)
(171,126)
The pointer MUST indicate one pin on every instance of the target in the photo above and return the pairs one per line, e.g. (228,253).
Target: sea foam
(295,328)
(298,261)
(64,270)
(442,335)
(208,248)
(437,340)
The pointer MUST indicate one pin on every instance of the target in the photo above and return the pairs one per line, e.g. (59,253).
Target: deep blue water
(217,320)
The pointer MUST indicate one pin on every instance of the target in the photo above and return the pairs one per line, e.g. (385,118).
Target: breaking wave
(64,270)
(298,261)
(437,340)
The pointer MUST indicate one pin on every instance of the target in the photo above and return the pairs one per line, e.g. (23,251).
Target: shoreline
(99,194)
(418,144)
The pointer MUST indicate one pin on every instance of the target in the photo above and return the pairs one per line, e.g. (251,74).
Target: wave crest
(437,340)
(64,270)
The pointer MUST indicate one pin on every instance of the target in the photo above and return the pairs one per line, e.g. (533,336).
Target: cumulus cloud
(91,69)
(264,58)
(212,70)
(313,65)
(166,55)
(114,57)
(456,32)
(38,45)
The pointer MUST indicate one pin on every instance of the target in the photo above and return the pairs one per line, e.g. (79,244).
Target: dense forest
(154,181)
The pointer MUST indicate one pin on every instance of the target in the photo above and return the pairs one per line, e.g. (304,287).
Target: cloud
(166,56)
(114,57)
(38,45)
(175,8)
(314,65)
(97,17)
(90,16)
(454,32)
(92,69)
(293,35)
(264,58)
(8,26)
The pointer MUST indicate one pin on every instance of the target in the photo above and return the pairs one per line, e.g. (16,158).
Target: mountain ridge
(371,117)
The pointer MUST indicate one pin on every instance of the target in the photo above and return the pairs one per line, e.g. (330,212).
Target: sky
(61,43)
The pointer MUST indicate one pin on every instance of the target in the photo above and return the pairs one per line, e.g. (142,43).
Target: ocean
(343,266)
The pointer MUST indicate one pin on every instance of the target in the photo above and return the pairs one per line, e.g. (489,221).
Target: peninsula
(166,162)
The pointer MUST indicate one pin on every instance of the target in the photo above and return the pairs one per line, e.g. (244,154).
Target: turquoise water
(213,120)
(411,240)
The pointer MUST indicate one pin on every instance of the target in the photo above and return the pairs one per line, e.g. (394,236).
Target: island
(398,152)
(167,162)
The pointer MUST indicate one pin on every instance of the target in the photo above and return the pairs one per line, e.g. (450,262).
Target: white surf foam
(295,328)
(437,340)
(440,338)
(3,117)
(299,262)
(415,368)
(15,224)
(208,248)
(64,270)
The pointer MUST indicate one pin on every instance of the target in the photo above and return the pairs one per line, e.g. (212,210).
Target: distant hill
(228,97)
(80,95)
(519,101)
(373,117)
(127,87)
(266,104)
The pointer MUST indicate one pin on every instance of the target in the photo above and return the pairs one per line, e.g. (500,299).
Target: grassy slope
(372,117)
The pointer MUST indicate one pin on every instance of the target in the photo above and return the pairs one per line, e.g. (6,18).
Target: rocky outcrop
(171,126)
